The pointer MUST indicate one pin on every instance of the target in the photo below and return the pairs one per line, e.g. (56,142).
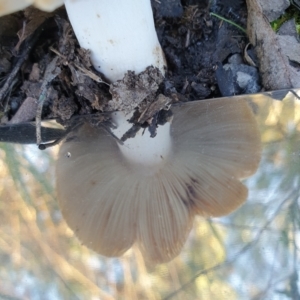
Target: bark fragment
(278,69)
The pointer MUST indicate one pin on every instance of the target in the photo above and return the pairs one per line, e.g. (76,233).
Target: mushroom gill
(112,202)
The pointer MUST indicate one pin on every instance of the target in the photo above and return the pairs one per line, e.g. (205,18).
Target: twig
(26,49)
(51,72)
(69,129)
(49,145)
(83,70)
(25,133)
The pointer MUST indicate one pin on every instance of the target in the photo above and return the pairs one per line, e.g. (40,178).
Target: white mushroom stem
(143,150)
(121,37)
(119,33)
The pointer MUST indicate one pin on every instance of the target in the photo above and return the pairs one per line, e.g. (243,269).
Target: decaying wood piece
(276,65)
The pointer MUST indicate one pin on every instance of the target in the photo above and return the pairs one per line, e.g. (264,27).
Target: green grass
(291,13)
(229,21)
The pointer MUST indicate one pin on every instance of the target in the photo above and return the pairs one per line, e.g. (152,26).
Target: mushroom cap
(111,202)
(10,6)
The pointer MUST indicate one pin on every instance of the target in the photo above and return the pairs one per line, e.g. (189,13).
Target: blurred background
(251,254)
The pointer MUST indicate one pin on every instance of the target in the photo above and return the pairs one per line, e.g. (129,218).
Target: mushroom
(147,191)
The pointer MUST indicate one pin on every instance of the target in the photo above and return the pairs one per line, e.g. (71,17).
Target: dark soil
(195,43)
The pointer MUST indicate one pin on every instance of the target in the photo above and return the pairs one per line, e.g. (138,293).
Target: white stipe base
(143,149)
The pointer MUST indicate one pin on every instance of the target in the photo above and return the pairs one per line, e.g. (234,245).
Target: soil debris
(199,50)
(128,93)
